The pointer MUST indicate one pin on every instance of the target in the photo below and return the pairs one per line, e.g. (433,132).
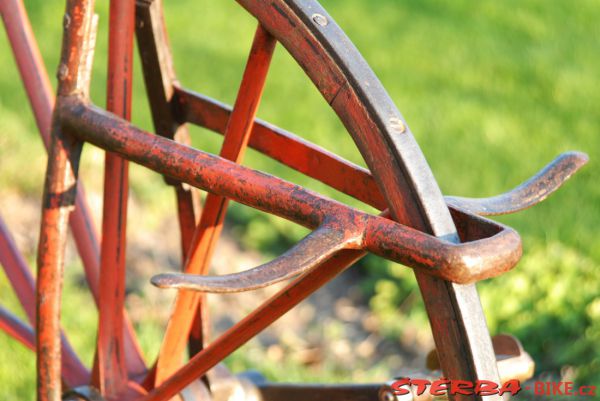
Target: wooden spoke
(255,322)
(287,148)
(60,190)
(112,370)
(209,228)
(23,282)
(159,77)
(18,330)
(39,91)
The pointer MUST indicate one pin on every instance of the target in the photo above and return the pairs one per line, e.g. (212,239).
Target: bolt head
(320,19)
(397,125)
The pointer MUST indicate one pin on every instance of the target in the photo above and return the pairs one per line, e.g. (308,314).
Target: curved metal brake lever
(313,250)
(529,193)
(490,248)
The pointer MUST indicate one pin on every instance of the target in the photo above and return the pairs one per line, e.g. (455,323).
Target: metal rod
(496,252)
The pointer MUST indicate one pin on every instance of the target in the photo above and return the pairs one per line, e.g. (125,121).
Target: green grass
(493,91)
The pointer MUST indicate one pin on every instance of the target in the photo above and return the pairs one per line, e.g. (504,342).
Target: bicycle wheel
(399,178)
(388,147)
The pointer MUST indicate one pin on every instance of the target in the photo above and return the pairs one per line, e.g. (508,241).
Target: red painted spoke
(287,149)
(159,77)
(18,330)
(112,368)
(188,205)
(73,372)
(209,228)
(41,98)
(59,198)
(58,202)
(39,92)
(17,271)
(188,209)
(255,322)
(21,279)
(30,63)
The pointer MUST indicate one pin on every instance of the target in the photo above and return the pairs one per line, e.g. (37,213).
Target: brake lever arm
(529,193)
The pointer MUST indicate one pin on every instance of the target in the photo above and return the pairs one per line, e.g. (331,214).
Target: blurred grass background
(493,91)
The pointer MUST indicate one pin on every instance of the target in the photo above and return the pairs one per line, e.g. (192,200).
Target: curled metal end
(309,253)
(529,193)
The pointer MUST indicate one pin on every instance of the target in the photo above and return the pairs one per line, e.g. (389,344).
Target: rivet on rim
(397,125)
(320,19)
